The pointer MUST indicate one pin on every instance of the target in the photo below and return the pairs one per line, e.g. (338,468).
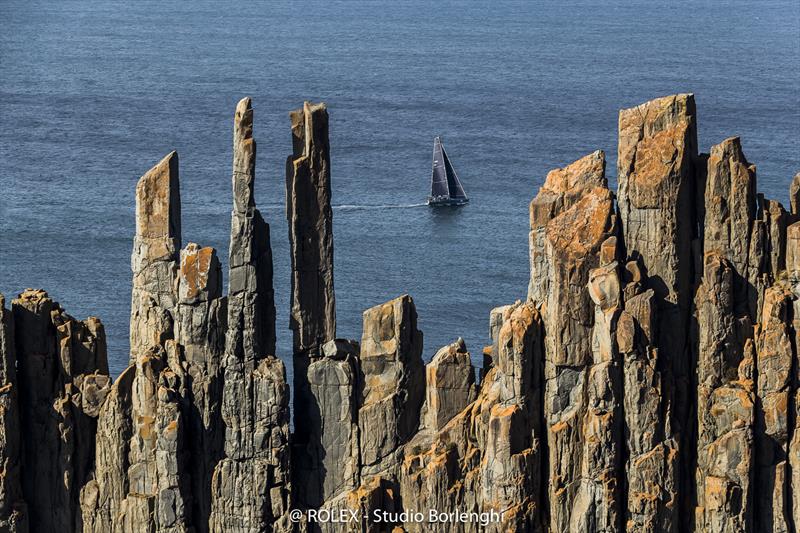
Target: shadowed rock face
(62,373)
(13,510)
(648,383)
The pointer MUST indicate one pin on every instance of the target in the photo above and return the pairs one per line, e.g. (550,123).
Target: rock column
(313,311)
(155,256)
(250,485)
(656,175)
(308,210)
(572,218)
(200,325)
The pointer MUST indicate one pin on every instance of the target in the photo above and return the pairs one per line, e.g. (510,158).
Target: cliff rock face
(649,382)
(489,456)
(393,377)
(13,510)
(62,373)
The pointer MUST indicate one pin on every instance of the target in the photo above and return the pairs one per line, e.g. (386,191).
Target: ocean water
(92,94)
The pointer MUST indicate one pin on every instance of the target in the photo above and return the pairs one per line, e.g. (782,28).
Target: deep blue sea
(92,94)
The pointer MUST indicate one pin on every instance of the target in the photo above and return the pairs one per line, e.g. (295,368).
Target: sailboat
(445,187)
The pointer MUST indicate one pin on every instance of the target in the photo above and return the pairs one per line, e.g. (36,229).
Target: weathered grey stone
(308,210)
(154,260)
(649,383)
(250,485)
(489,456)
(656,178)
(598,503)
(313,304)
(730,212)
(573,240)
(562,188)
(328,464)
(200,324)
(774,384)
(142,475)
(794,196)
(251,302)
(652,452)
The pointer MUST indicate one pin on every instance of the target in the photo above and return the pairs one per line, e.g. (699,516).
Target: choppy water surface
(94,93)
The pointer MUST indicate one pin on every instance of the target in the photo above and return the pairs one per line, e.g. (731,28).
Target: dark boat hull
(447,202)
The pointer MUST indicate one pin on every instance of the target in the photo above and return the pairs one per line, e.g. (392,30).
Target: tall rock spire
(313,311)
(154,260)
(250,485)
(251,304)
(308,209)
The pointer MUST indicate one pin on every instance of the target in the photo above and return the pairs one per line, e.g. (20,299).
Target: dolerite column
(62,373)
(154,260)
(725,405)
(572,219)
(308,210)
(489,455)
(393,375)
(725,305)
(313,315)
(775,361)
(652,462)
(793,271)
(200,325)
(730,228)
(13,510)
(655,170)
(250,486)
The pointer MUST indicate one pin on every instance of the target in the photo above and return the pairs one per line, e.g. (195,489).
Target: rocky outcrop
(648,383)
(562,188)
(725,404)
(449,385)
(200,325)
(576,217)
(328,465)
(320,381)
(656,175)
(62,372)
(775,385)
(489,457)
